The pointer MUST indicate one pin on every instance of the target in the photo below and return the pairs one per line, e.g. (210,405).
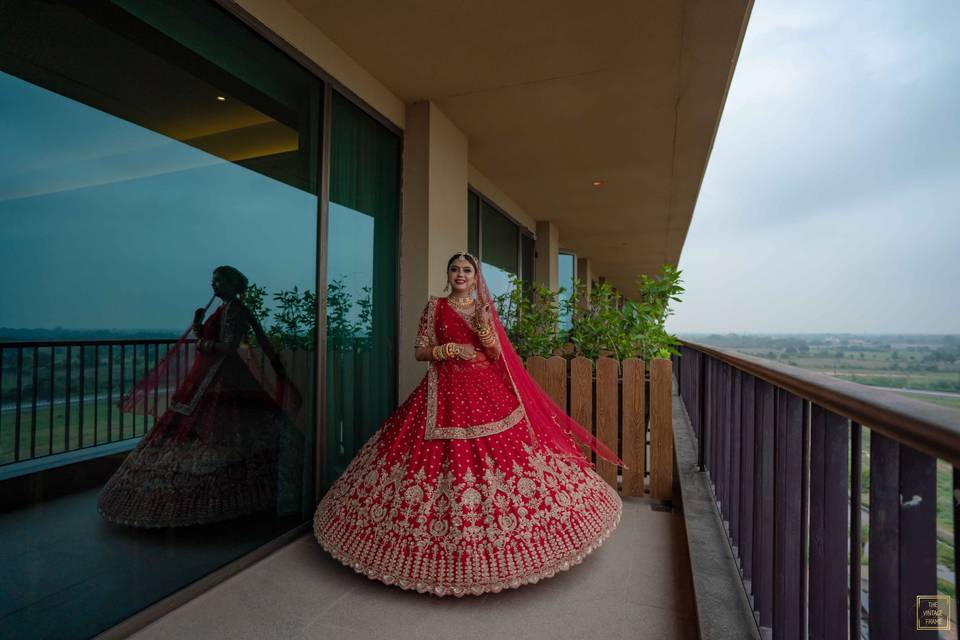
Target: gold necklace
(460,303)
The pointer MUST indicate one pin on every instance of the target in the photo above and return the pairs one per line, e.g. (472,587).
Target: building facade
(335,154)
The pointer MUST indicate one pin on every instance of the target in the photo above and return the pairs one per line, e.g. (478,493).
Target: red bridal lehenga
(474,484)
(213,454)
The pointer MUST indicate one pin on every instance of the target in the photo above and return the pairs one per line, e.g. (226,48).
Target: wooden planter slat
(600,410)
(607,414)
(634,446)
(581,397)
(556,381)
(537,368)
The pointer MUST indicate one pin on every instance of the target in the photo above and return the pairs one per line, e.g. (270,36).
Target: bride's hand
(467,352)
(484,318)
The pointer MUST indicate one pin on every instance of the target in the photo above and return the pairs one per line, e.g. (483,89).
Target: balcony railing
(61,396)
(783,449)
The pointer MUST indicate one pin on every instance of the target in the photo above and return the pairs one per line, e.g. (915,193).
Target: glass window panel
(566,274)
(498,280)
(473,223)
(361,276)
(500,240)
(527,260)
(124,182)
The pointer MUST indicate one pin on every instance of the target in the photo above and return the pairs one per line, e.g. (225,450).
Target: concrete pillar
(433,225)
(546,249)
(585,273)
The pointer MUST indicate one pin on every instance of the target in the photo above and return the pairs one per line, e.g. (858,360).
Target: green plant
(292,323)
(253,299)
(655,295)
(600,326)
(341,331)
(531,318)
(603,322)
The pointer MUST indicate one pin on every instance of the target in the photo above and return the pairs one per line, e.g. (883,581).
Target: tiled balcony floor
(637,585)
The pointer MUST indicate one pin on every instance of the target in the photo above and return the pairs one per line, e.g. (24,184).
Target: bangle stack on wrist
(487,336)
(446,351)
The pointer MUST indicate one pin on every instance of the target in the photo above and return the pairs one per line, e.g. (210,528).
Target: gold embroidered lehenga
(462,489)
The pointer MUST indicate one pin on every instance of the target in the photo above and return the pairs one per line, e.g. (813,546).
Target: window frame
(522,230)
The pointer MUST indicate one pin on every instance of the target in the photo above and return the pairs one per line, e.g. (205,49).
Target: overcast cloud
(832,198)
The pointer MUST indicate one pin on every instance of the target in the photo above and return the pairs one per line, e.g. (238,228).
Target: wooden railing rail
(784,451)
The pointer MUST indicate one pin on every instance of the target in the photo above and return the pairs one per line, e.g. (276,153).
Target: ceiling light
(596,183)
(221,99)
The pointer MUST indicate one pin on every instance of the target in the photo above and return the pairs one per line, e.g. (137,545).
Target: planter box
(621,410)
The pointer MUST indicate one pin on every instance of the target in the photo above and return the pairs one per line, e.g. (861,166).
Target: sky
(831,201)
(108,225)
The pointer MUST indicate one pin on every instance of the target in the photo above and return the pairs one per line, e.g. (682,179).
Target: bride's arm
(426,353)
(490,347)
(493,351)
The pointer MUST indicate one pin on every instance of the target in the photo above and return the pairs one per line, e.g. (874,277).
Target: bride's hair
(463,256)
(237,279)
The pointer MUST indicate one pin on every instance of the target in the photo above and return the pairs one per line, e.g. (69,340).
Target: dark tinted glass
(362,282)
(141,150)
(500,256)
(473,223)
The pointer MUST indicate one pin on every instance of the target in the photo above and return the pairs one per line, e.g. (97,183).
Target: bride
(476,483)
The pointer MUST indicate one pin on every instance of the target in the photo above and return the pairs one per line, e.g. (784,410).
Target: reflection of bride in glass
(477,482)
(213,454)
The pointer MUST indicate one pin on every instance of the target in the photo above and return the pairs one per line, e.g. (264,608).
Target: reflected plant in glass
(295,319)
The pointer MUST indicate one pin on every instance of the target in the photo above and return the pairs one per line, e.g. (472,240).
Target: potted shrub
(604,323)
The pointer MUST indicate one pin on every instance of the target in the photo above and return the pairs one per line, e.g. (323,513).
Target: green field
(67,436)
(887,367)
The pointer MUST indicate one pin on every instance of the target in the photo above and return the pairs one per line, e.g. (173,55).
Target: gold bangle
(438,353)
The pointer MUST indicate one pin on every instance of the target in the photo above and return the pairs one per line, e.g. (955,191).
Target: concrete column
(546,248)
(433,225)
(585,273)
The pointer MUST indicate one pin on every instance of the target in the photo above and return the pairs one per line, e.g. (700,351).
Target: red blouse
(465,398)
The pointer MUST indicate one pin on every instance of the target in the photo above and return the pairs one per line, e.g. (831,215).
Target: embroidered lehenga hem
(448,534)
(442,589)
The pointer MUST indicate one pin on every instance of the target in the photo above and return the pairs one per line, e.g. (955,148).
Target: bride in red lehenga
(475,483)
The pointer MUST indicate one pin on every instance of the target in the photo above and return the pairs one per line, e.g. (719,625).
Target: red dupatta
(560,430)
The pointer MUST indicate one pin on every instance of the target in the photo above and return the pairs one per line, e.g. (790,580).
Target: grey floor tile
(634,586)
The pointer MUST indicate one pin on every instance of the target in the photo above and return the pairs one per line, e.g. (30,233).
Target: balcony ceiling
(554,95)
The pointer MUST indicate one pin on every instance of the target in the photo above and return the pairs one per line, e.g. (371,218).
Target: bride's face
(462,277)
